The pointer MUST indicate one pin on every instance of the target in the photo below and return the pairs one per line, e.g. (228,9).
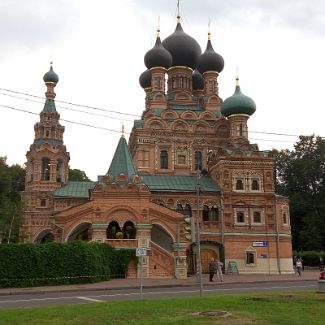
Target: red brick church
(188,159)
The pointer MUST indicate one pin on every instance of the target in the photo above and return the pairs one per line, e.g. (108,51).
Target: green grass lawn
(249,309)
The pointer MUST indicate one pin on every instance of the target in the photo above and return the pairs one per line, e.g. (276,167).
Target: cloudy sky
(277,47)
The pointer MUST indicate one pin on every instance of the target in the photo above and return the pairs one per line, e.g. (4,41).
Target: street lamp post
(198,244)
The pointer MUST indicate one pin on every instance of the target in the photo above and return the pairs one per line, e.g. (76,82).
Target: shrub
(311,258)
(24,265)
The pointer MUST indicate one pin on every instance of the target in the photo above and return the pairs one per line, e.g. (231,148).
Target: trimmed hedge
(311,258)
(25,265)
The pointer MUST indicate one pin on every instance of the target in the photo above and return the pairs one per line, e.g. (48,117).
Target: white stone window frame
(261,211)
(250,250)
(259,178)
(237,177)
(243,210)
(247,179)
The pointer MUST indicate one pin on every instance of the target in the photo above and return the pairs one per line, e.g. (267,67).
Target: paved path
(133,283)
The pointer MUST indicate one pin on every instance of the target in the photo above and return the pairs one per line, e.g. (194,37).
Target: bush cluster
(25,265)
(311,258)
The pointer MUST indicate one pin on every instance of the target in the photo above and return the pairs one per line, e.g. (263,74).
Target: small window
(181,159)
(239,185)
(255,185)
(43,203)
(257,217)
(250,257)
(284,218)
(198,160)
(241,130)
(240,217)
(164,159)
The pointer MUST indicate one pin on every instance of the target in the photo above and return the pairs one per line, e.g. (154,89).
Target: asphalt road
(83,297)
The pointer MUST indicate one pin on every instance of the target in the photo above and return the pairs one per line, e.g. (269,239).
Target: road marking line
(89,299)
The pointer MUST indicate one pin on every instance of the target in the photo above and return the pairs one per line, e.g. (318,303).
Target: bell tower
(46,168)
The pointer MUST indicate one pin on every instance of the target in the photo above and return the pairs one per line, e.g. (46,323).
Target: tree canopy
(12,182)
(300,175)
(78,175)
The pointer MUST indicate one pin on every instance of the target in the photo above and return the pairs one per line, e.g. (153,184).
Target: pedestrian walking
(213,268)
(299,266)
(219,270)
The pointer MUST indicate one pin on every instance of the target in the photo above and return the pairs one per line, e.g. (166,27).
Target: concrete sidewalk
(115,284)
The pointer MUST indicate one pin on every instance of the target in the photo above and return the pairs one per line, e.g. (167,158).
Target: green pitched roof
(122,162)
(75,189)
(172,183)
(49,106)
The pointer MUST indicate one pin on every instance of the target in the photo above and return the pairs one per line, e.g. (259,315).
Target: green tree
(12,180)
(78,175)
(300,175)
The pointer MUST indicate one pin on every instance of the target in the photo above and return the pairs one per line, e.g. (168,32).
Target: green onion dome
(158,56)
(51,76)
(185,50)
(238,103)
(197,80)
(210,60)
(145,79)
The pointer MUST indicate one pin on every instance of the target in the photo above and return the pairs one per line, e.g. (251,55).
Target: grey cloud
(27,24)
(307,16)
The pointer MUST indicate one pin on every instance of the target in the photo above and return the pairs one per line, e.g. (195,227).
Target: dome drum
(179,79)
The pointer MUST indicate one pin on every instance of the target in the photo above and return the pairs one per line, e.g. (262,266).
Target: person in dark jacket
(213,268)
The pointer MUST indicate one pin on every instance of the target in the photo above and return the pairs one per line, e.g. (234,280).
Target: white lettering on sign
(141,251)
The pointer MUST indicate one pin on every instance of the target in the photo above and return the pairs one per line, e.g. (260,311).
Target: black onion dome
(145,79)
(185,50)
(51,76)
(197,80)
(210,60)
(158,56)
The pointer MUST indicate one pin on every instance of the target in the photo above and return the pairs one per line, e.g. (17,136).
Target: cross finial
(237,78)
(158,27)
(209,29)
(122,135)
(178,14)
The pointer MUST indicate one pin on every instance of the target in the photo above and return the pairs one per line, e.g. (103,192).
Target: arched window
(198,160)
(59,171)
(255,185)
(129,230)
(163,159)
(179,208)
(239,185)
(214,214)
(205,213)
(188,211)
(112,229)
(46,169)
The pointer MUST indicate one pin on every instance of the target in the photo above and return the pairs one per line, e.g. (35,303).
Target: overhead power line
(64,120)
(115,112)
(67,108)
(70,103)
